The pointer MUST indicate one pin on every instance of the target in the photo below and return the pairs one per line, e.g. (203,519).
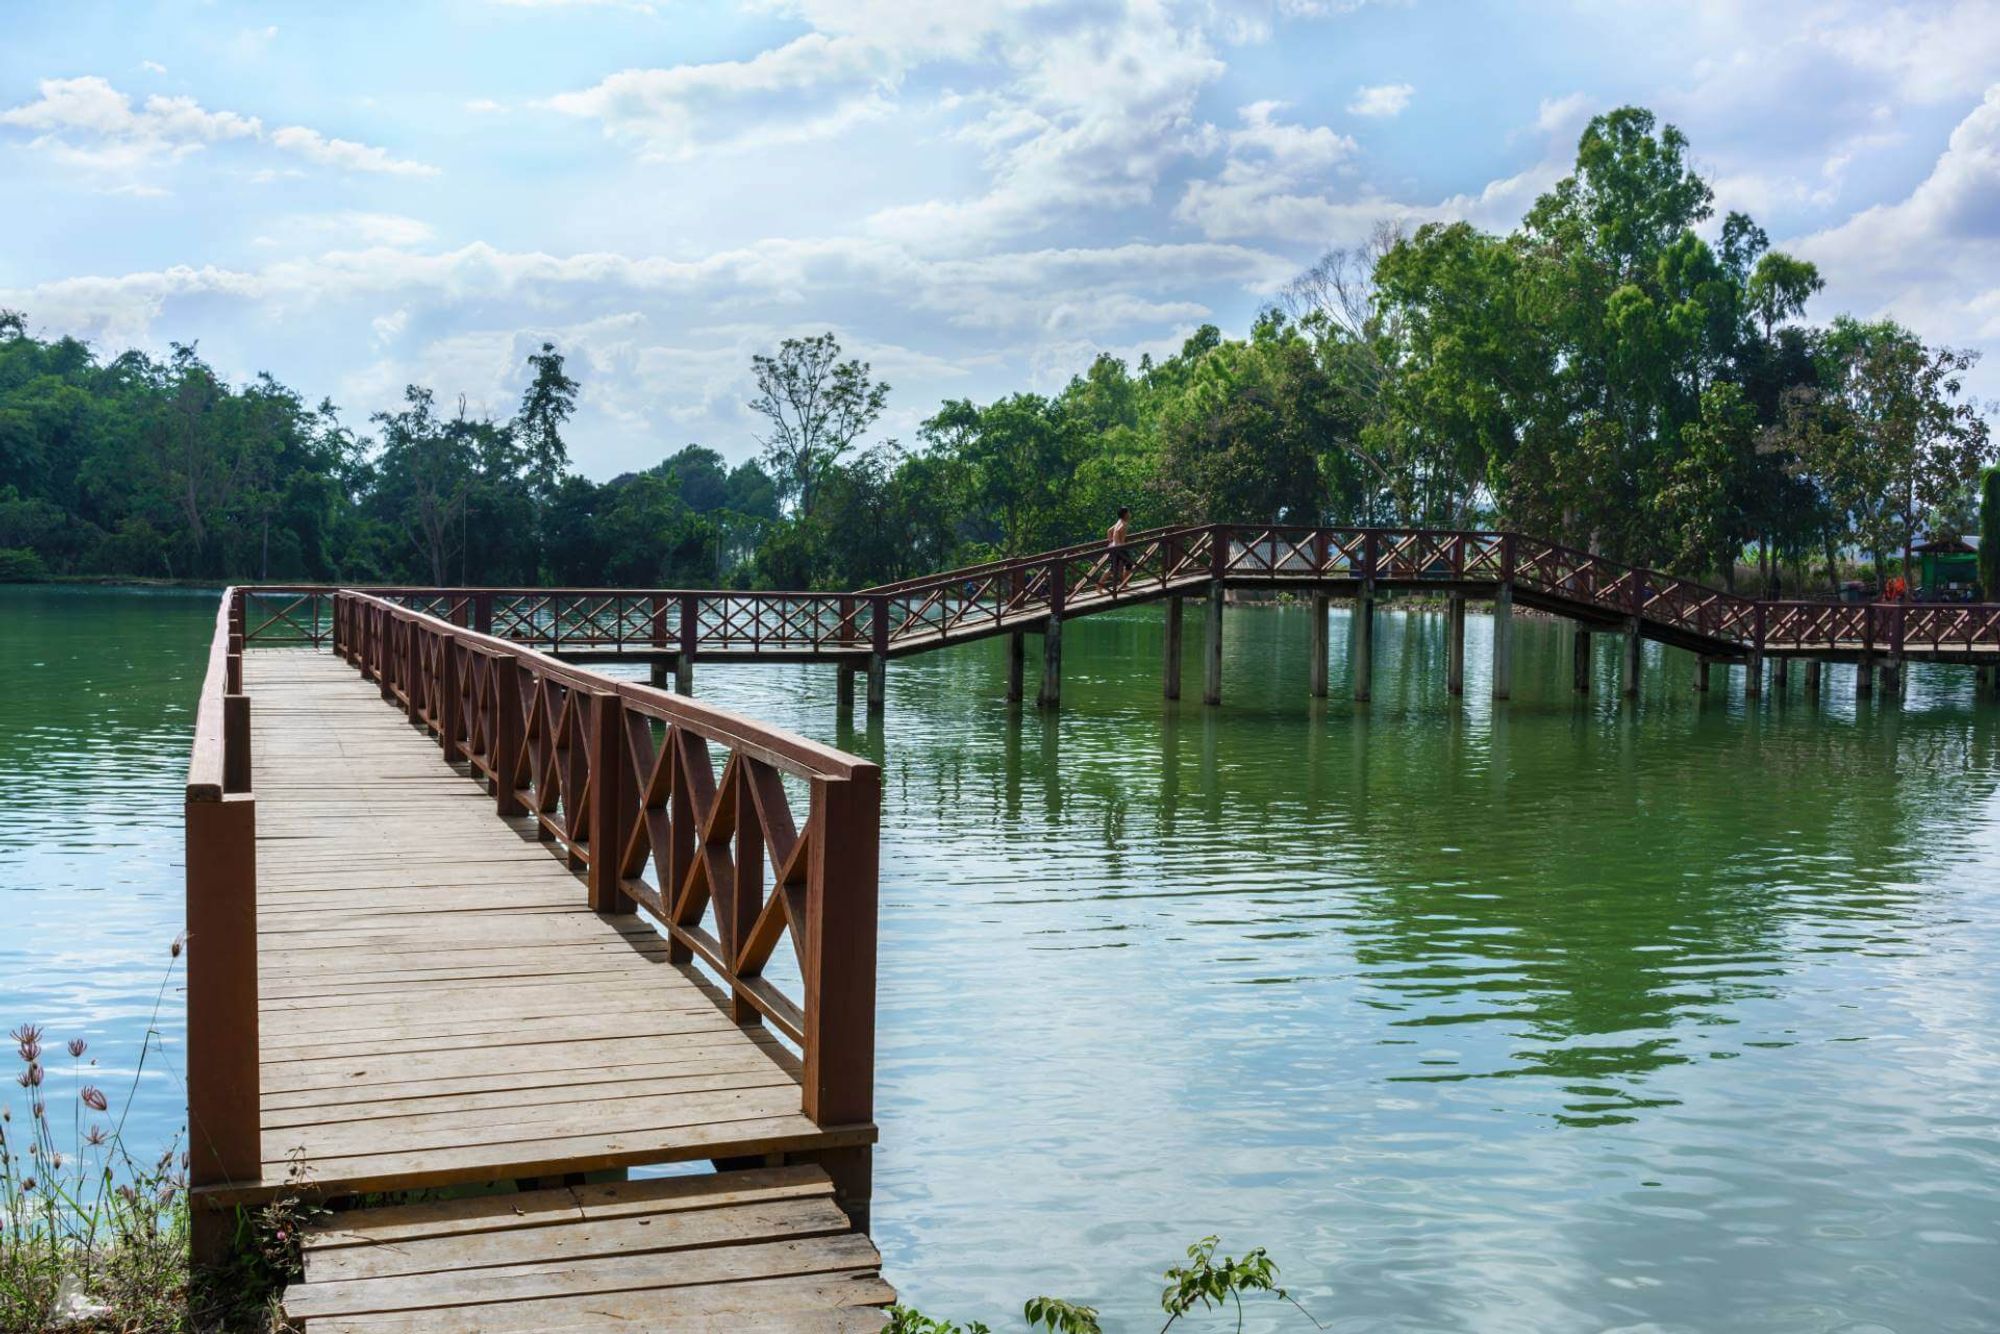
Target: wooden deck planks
(765,1249)
(439,1004)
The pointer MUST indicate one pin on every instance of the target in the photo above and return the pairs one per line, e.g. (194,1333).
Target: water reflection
(1561,1015)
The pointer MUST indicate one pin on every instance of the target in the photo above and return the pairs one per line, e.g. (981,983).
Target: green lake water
(1561,1015)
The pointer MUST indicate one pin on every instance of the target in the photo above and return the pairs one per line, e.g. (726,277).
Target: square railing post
(839,1082)
(614,804)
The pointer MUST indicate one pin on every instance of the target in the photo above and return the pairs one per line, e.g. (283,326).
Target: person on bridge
(1115,542)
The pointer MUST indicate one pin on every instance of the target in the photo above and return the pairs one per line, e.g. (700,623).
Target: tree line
(1616,372)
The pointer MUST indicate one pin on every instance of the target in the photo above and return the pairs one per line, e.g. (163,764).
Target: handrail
(1020,592)
(619,777)
(224,1093)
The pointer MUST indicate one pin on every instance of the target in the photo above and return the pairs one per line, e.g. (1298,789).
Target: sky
(975,197)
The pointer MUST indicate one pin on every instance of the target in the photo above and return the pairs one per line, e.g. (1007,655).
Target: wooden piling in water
(1051,692)
(1017,664)
(1454,679)
(1364,643)
(1503,640)
(1635,645)
(1211,691)
(1170,669)
(1320,604)
(1580,662)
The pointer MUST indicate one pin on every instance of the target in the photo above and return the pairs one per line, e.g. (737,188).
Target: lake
(1565,1015)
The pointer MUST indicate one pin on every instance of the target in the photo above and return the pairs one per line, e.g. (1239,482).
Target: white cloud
(1931,259)
(812,84)
(87,122)
(345,153)
(484,106)
(1381,100)
(152,67)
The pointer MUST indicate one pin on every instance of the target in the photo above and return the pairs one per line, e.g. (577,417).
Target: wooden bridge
(468,917)
(415,964)
(673,629)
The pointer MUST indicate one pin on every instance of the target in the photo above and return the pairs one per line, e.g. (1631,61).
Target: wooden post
(235,743)
(690,637)
(1635,647)
(1579,667)
(449,722)
(878,682)
(1050,695)
(225,1140)
(1812,679)
(656,673)
(1753,675)
(1781,675)
(1364,641)
(1701,666)
(614,804)
(508,737)
(839,1047)
(1864,676)
(1211,688)
(843,687)
(1320,631)
(1170,674)
(482,613)
(1503,640)
(1017,657)
(1454,672)
(1892,676)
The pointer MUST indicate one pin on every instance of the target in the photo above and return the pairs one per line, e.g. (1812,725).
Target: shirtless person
(1121,564)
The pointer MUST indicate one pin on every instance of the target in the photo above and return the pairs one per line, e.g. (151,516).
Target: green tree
(816,407)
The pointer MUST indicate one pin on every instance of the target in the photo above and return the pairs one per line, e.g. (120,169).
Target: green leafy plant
(1060,1317)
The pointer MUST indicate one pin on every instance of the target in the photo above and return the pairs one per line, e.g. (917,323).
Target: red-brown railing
(918,614)
(224,1114)
(622,779)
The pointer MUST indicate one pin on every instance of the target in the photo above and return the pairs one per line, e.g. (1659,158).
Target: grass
(94,1238)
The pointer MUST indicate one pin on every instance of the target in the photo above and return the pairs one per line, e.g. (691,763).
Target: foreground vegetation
(1621,371)
(94,1238)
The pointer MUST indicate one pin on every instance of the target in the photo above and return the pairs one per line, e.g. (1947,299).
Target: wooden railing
(224,1116)
(917,614)
(622,779)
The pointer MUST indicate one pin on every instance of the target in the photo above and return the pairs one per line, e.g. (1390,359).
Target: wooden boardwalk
(439,1005)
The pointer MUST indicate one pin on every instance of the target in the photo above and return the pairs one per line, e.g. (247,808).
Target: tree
(546,406)
(1989,533)
(425,474)
(1888,436)
(817,406)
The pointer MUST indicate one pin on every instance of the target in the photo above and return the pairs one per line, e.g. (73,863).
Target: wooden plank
(841,1303)
(562,1278)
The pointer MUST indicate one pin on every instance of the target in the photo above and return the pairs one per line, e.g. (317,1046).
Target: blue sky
(976,197)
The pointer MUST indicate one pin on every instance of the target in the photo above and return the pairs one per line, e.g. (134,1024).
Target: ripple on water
(1555,1017)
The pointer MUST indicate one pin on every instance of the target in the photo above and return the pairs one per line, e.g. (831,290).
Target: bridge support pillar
(1211,687)
(1753,675)
(1454,670)
(1503,641)
(1892,677)
(843,687)
(1864,676)
(684,675)
(1051,692)
(1701,675)
(1017,660)
(1781,675)
(1635,657)
(878,682)
(1580,662)
(656,674)
(1170,669)
(1812,679)
(1364,643)
(1320,632)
